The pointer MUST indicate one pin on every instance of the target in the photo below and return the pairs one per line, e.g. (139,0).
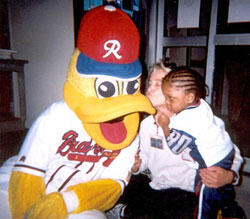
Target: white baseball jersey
(58,148)
(168,170)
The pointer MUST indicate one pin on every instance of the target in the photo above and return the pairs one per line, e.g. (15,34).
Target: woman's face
(154,92)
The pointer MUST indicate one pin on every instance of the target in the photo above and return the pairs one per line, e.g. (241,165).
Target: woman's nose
(149,90)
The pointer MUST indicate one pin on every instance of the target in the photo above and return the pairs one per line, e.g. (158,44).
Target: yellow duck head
(103,78)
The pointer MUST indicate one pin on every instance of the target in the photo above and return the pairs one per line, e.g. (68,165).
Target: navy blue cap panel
(90,67)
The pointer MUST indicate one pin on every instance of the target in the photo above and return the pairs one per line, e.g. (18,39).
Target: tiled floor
(10,144)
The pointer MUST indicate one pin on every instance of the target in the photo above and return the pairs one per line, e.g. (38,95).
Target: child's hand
(164,110)
(137,163)
(162,116)
(161,119)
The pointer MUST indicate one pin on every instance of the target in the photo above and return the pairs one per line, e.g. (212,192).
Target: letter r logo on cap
(112,46)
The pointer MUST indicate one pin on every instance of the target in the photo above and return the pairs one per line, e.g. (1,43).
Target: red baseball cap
(109,43)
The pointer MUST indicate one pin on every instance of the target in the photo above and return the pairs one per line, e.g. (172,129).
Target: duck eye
(130,87)
(106,88)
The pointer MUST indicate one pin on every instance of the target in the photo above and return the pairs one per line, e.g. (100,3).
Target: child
(200,137)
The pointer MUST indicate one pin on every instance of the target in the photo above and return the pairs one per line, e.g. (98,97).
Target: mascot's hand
(48,207)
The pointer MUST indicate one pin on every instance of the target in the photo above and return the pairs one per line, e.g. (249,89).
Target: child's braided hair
(188,79)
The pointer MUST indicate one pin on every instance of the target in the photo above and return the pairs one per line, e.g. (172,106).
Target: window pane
(229,28)
(170,20)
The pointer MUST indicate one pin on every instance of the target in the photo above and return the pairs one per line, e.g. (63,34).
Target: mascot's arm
(99,194)
(24,190)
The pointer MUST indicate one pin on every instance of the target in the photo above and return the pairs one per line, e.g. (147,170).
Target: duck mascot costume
(76,158)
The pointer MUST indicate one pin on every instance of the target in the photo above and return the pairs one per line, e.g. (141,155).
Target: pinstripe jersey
(58,148)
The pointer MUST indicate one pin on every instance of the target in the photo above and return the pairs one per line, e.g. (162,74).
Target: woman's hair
(188,79)
(162,65)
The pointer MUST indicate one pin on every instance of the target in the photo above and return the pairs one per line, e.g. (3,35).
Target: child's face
(176,99)
(154,92)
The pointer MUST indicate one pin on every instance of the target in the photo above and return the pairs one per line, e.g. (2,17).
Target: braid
(188,79)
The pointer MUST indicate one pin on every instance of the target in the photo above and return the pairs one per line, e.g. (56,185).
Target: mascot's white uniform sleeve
(78,154)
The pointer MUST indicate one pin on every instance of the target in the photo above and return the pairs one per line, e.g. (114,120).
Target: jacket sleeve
(144,153)
(24,190)
(237,162)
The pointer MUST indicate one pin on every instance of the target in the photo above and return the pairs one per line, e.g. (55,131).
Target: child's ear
(190,97)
